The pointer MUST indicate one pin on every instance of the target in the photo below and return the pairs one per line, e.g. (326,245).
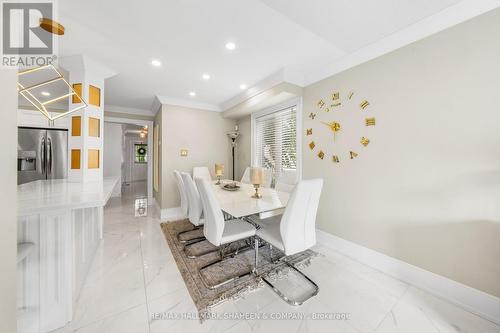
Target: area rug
(204,298)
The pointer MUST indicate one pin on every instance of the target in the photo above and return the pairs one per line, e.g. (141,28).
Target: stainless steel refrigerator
(42,153)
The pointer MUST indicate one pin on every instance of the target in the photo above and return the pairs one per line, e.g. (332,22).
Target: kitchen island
(60,225)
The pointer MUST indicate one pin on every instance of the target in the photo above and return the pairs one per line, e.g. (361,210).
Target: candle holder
(219,171)
(256,178)
(256,195)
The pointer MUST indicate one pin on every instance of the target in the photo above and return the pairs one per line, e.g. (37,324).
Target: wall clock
(339,127)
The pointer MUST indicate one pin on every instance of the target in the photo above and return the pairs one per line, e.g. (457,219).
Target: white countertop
(240,203)
(48,195)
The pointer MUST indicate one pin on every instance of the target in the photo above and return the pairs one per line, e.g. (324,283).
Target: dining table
(239,203)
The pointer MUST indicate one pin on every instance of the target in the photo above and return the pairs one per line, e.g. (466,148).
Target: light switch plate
(184,152)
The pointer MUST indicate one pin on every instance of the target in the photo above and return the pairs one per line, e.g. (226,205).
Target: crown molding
(451,16)
(273,96)
(122,109)
(188,103)
(156,105)
(282,76)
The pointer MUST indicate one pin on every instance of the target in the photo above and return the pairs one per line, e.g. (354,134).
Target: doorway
(128,145)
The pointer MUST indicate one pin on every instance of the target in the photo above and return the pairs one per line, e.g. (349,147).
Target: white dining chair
(219,232)
(201,172)
(182,193)
(295,231)
(184,202)
(195,211)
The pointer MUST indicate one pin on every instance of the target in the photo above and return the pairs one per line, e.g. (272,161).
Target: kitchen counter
(48,195)
(60,227)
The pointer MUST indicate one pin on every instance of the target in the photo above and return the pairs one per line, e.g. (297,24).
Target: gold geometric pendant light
(55,82)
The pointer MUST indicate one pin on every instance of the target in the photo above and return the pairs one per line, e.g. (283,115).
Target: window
(141,152)
(275,140)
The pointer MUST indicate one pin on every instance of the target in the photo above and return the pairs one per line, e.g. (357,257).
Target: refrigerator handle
(42,155)
(49,156)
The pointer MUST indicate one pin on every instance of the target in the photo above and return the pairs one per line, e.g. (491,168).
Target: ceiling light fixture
(192,94)
(156,63)
(230,46)
(57,77)
(206,77)
(51,26)
(243,86)
(45,93)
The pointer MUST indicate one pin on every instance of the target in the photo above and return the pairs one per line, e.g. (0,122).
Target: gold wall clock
(339,127)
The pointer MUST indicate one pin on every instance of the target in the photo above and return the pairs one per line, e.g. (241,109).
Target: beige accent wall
(243,149)
(8,200)
(203,134)
(427,189)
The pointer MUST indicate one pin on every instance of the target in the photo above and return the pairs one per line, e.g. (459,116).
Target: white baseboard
(171,214)
(473,300)
(117,190)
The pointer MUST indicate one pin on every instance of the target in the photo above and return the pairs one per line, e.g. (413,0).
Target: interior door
(31,147)
(57,154)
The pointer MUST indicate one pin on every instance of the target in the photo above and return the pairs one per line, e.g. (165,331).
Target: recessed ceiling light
(156,63)
(45,93)
(243,86)
(230,46)
(205,77)
(192,94)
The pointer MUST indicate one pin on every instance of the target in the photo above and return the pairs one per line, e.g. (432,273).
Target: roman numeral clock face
(339,127)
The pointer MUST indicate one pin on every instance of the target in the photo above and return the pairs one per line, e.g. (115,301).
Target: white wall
(427,188)
(243,148)
(113,153)
(8,200)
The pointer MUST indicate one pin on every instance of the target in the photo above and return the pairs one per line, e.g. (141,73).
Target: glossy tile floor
(134,286)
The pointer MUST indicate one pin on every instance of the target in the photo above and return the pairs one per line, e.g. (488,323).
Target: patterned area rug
(204,297)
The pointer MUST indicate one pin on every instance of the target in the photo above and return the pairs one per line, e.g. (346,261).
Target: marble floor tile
(419,309)
(256,300)
(129,321)
(241,327)
(171,309)
(108,294)
(366,303)
(391,285)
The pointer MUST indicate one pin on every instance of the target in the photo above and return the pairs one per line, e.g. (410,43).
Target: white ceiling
(353,24)
(188,36)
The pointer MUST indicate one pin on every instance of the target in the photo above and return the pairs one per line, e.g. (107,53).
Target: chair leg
(184,232)
(223,256)
(284,297)
(196,241)
(256,264)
